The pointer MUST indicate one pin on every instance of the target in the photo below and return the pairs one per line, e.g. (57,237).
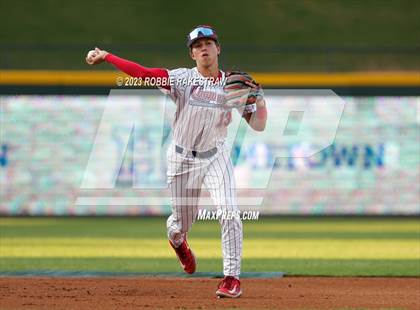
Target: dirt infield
(155,293)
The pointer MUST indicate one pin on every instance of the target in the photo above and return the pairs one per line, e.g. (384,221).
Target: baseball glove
(241,90)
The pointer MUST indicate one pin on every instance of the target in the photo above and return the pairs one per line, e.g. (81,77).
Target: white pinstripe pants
(186,175)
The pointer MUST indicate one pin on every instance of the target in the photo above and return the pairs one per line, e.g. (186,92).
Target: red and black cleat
(186,256)
(229,287)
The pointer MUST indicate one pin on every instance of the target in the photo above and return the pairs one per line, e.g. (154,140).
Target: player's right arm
(129,67)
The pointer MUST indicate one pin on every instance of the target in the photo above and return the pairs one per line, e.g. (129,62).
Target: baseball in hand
(89,58)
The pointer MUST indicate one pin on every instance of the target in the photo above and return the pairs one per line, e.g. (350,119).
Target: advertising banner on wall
(107,155)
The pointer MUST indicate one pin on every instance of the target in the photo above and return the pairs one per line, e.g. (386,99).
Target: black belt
(205,154)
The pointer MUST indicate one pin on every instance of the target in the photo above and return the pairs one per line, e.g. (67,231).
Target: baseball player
(198,155)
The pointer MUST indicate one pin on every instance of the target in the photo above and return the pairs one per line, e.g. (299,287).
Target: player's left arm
(258,119)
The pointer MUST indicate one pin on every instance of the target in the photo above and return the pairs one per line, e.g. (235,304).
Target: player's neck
(211,71)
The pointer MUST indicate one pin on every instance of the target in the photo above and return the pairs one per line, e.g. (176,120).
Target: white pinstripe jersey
(200,123)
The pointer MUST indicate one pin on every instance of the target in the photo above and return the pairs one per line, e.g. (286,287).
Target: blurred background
(270,36)
(368,52)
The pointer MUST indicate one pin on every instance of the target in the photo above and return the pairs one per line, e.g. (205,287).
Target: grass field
(297,246)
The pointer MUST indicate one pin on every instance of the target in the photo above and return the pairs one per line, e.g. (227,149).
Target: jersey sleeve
(135,70)
(178,79)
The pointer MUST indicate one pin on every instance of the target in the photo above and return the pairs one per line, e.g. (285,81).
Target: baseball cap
(201,31)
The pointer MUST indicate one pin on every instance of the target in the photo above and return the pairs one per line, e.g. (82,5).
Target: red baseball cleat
(186,256)
(229,287)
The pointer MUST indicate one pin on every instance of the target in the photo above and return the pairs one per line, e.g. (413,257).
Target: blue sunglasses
(201,32)
(204,33)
